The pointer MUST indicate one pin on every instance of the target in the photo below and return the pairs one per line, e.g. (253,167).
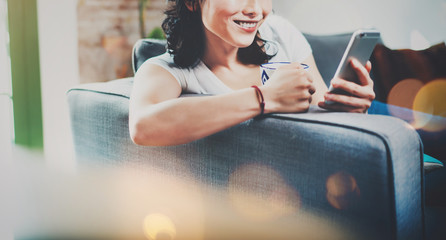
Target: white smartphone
(361,46)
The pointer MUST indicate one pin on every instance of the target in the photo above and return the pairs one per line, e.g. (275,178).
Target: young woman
(216,47)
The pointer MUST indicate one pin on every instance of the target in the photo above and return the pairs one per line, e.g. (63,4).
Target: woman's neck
(219,53)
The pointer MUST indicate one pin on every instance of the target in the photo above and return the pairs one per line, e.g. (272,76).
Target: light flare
(403,94)
(342,190)
(159,227)
(430,106)
(259,193)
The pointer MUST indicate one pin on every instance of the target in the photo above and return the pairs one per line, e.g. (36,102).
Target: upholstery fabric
(391,66)
(145,49)
(327,51)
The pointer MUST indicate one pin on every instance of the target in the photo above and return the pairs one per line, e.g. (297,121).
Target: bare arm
(158,117)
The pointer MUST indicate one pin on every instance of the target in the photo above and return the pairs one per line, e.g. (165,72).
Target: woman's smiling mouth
(248,26)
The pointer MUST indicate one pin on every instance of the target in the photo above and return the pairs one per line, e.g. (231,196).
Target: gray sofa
(375,160)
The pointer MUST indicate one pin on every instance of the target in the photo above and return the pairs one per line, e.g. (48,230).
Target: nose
(252,8)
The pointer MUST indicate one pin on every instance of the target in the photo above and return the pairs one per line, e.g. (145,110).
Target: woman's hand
(362,95)
(289,90)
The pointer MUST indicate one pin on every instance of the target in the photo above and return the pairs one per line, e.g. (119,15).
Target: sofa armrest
(379,158)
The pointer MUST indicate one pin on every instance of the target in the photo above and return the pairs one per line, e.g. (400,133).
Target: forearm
(182,120)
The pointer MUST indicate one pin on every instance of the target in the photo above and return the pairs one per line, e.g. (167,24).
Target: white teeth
(247,24)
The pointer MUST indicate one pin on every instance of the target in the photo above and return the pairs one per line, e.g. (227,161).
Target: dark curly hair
(186,39)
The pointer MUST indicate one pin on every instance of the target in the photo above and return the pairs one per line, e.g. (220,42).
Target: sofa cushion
(391,66)
(145,49)
(119,87)
(327,52)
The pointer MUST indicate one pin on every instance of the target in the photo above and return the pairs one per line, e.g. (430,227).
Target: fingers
(292,87)
(310,86)
(354,89)
(359,96)
(295,75)
(362,72)
(350,101)
(309,76)
(312,89)
(307,88)
(368,66)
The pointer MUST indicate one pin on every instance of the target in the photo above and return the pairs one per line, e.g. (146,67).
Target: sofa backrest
(145,49)
(327,52)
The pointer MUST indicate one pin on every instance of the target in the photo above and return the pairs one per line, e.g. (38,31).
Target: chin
(244,43)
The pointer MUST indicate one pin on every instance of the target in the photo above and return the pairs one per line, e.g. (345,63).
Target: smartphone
(361,46)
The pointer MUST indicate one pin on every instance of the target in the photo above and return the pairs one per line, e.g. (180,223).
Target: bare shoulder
(150,73)
(154,84)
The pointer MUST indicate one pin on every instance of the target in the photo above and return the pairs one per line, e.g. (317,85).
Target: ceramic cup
(268,69)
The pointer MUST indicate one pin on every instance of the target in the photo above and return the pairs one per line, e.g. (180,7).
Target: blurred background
(63,43)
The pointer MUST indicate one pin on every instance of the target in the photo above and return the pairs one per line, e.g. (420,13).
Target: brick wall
(107,30)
